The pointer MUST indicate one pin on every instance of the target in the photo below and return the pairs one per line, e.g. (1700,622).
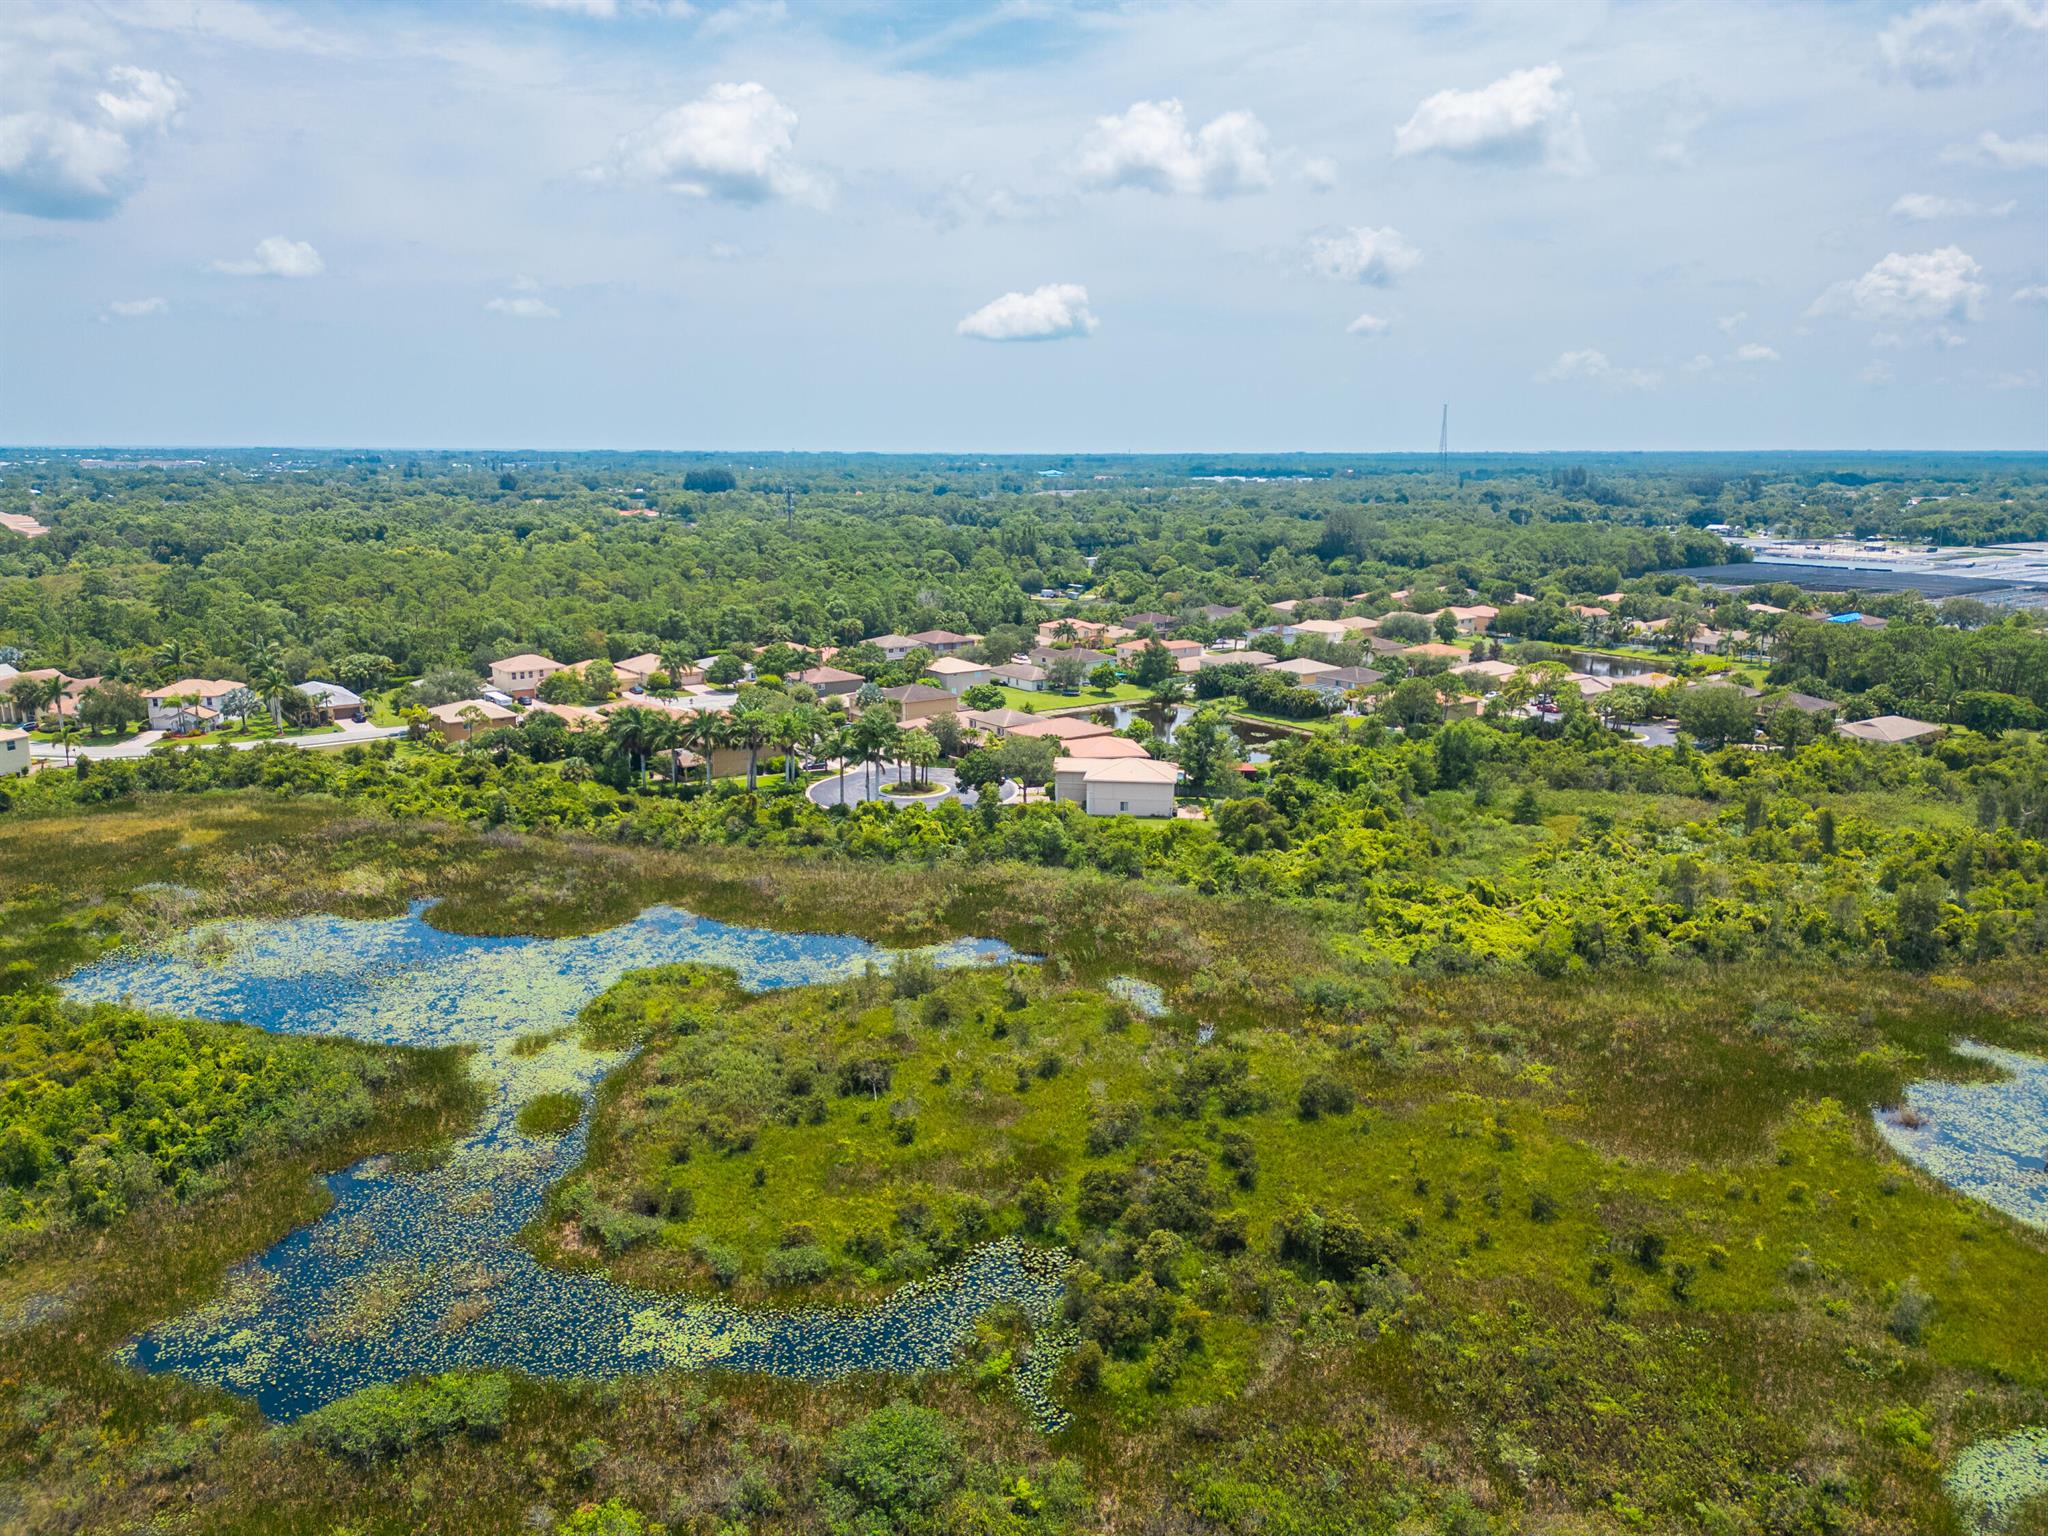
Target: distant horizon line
(1430,454)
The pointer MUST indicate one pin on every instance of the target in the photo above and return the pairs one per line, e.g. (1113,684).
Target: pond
(1986,1139)
(418,1269)
(1599,664)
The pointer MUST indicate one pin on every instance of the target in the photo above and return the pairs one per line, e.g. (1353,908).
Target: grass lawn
(1087,698)
(254,732)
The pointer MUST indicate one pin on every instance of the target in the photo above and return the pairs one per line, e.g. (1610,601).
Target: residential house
(1046,655)
(1302,668)
(1216,613)
(464,718)
(67,702)
(188,702)
(1331,630)
(1860,620)
(1492,671)
(1020,674)
(634,671)
(1131,650)
(1765,608)
(332,701)
(1061,727)
(956,674)
(1380,645)
(944,642)
(995,722)
(13,751)
(1345,679)
(828,682)
(1473,620)
(1586,611)
(1437,648)
(1457,706)
(1103,746)
(1082,631)
(893,647)
(1116,786)
(916,701)
(1892,729)
(1235,659)
(1808,703)
(521,675)
(1158,623)
(1358,624)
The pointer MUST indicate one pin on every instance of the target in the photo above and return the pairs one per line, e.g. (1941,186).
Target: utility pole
(788,510)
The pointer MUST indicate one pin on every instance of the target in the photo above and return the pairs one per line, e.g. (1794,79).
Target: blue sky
(1025,226)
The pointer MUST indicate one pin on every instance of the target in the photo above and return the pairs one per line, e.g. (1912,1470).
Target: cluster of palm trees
(803,731)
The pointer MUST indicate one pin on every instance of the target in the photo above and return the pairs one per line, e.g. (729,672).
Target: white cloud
(1728,323)
(1945,284)
(80,161)
(734,142)
(2025,378)
(1590,366)
(1522,118)
(1877,374)
(1369,325)
(1701,363)
(1151,147)
(1319,172)
(1052,312)
(609,10)
(1924,207)
(135,309)
(276,257)
(523,307)
(1754,352)
(1952,40)
(2033,293)
(1362,254)
(1994,148)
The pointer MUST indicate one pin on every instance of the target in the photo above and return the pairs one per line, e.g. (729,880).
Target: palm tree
(30,694)
(631,730)
(665,733)
(750,729)
(173,656)
(874,738)
(704,734)
(843,738)
(267,677)
(802,728)
(920,749)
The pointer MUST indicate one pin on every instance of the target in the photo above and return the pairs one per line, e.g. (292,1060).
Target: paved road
(826,790)
(139,745)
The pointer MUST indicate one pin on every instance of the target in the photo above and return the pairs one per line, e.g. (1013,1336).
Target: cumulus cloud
(1522,118)
(1700,363)
(1877,374)
(1925,207)
(523,306)
(2033,293)
(1588,365)
(1945,284)
(735,142)
(2024,378)
(1319,172)
(1753,352)
(1051,312)
(276,256)
(1952,40)
(1152,147)
(1369,325)
(136,309)
(1362,254)
(1994,148)
(1728,323)
(80,161)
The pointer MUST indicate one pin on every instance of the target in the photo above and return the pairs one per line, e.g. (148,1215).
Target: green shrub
(805,1264)
(552,1114)
(898,1463)
(381,1422)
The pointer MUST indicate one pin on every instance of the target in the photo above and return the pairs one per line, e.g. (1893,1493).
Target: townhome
(944,642)
(13,751)
(956,674)
(1116,786)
